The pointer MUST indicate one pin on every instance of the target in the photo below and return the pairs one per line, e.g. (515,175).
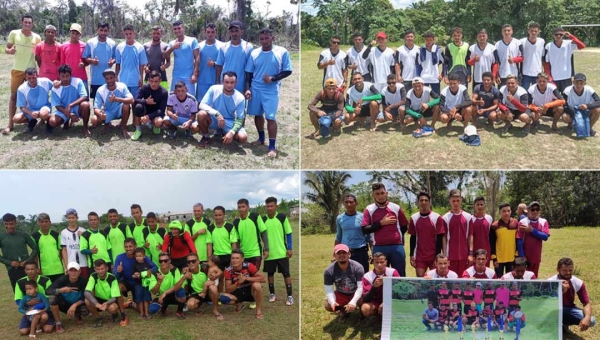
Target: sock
(58,323)
(271,143)
(288,288)
(138,127)
(261,136)
(272,288)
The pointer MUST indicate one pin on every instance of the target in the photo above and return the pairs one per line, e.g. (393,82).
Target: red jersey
(481,232)
(486,313)
(70,54)
(468,297)
(454,314)
(179,248)
(499,311)
(50,55)
(489,295)
(248,270)
(369,278)
(456,296)
(576,286)
(426,228)
(532,246)
(444,296)
(514,297)
(471,272)
(443,315)
(389,234)
(457,235)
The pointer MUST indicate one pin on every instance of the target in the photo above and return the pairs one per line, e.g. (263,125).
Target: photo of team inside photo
(475,309)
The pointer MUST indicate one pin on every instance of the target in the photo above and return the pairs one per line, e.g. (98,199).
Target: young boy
(181,111)
(141,274)
(33,323)
(213,272)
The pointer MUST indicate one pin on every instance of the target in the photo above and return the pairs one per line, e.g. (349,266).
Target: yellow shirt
(25,45)
(506,243)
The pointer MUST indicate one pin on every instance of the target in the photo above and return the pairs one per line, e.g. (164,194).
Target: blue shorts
(141,293)
(74,110)
(26,320)
(179,121)
(30,118)
(134,90)
(263,104)
(191,88)
(214,125)
(201,90)
(112,115)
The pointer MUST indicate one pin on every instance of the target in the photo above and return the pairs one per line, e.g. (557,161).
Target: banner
(445,309)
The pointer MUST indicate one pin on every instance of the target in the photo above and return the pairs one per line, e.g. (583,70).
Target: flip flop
(219,317)
(239,310)
(260,316)
(272,154)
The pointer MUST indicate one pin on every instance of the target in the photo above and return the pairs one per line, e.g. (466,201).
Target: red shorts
(342,299)
(425,264)
(459,266)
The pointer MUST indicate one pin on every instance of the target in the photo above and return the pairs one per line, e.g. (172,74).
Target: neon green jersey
(106,288)
(116,236)
(95,238)
(249,230)
(42,281)
(276,231)
(169,280)
(138,231)
(201,240)
(49,255)
(222,237)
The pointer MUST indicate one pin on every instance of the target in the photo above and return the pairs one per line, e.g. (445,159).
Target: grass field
(280,322)
(392,148)
(538,326)
(69,150)
(578,243)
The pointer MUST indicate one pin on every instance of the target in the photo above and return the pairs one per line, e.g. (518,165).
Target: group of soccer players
(80,272)
(214,84)
(534,79)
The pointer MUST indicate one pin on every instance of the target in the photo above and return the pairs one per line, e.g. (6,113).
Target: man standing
(113,101)
(481,224)
(153,238)
(155,49)
(430,57)
(459,235)
(428,235)
(571,286)
(279,233)
(406,60)
(25,40)
(382,59)
(388,224)
(14,249)
(223,237)
(558,57)
(372,283)
(197,228)
(48,242)
(519,271)
(484,57)
(533,230)
(502,240)
(138,225)
(116,233)
(479,270)
(234,55)
(47,54)
(178,244)
(131,59)
(347,276)
(456,58)
(186,60)
(510,53)
(66,295)
(533,54)
(100,54)
(243,282)
(70,101)
(334,63)
(151,105)
(349,232)
(94,243)
(71,53)
(355,60)
(70,243)
(251,229)
(32,99)
(209,52)
(546,100)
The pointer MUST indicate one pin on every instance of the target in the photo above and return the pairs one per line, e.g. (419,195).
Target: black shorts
(128,288)
(179,263)
(243,294)
(64,306)
(365,110)
(256,260)
(561,85)
(428,113)
(93,90)
(280,265)
(550,112)
(224,261)
(197,297)
(516,113)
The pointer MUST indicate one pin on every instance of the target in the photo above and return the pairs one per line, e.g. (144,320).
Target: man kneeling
(102,293)
(243,282)
(373,285)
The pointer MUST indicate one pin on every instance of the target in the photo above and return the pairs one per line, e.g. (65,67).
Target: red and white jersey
(426,229)
(481,232)
(533,54)
(576,286)
(433,274)
(511,276)
(388,234)
(369,278)
(471,272)
(539,98)
(532,246)
(459,229)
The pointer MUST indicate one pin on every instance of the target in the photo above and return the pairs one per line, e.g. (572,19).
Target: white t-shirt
(453,99)
(381,61)
(70,240)
(539,99)
(415,102)
(573,99)
(533,54)
(513,49)
(518,94)
(486,59)
(355,57)
(429,71)
(408,58)
(335,71)
(354,95)
(392,98)
(561,59)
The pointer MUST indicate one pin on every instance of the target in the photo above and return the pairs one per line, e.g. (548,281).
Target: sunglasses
(391,82)
(534,209)
(164,261)
(192,261)
(559,35)
(335,42)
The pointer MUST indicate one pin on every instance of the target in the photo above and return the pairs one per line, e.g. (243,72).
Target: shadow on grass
(369,328)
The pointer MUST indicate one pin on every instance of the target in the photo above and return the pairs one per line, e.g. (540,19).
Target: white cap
(471,130)
(73,264)
(418,80)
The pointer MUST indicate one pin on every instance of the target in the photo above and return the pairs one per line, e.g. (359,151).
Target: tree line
(568,198)
(344,17)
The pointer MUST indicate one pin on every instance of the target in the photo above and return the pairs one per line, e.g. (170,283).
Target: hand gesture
(373,43)
(112,97)
(111,62)
(248,94)
(388,220)
(424,107)
(321,113)
(220,121)
(477,58)
(177,45)
(565,286)
(510,97)
(378,282)
(95,61)
(120,267)
(331,62)
(510,60)
(94,250)
(267,79)
(150,101)
(188,275)
(241,278)
(210,62)
(159,246)
(81,64)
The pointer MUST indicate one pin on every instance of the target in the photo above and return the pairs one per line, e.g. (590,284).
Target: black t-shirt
(139,268)
(487,96)
(160,96)
(155,58)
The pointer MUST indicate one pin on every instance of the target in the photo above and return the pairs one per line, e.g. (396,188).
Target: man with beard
(100,54)
(362,101)
(519,271)
(70,100)
(347,276)
(234,55)
(14,245)
(533,230)
(428,235)
(372,283)
(209,52)
(47,54)
(186,60)
(331,111)
(113,101)
(154,53)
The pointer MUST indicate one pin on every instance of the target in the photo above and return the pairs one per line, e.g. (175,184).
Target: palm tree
(327,190)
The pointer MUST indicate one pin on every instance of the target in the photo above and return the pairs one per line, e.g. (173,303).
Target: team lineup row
(183,265)
(198,66)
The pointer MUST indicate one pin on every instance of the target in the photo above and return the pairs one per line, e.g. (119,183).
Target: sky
(53,192)
(307,7)
(356,177)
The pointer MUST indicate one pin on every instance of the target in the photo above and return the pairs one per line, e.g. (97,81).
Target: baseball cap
(478,284)
(558,29)
(471,130)
(381,35)
(71,211)
(50,27)
(330,82)
(72,265)
(108,71)
(534,203)
(236,23)
(340,247)
(175,225)
(418,80)
(579,76)
(75,27)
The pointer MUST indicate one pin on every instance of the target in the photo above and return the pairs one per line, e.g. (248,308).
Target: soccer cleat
(156,130)
(204,141)
(31,125)
(98,322)
(124,321)
(136,135)
(290,301)
(173,134)
(185,308)
(272,298)
(180,316)
(114,318)
(252,305)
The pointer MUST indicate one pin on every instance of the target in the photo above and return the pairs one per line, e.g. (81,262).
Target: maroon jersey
(481,232)
(248,270)
(426,228)
(457,235)
(389,234)
(532,246)
(471,272)
(443,315)
(576,287)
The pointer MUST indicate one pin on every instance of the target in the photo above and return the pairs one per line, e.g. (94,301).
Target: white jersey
(415,102)
(335,71)
(355,57)
(526,276)
(432,274)
(538,98)
(490,273)
(512,49)
(70,240)
(382,62)
(574,100)
(487,58)
(451,100)
(407,58)
(533,54)
(518,94)
(561,59)
(392,98)
(430,71)
(355,95)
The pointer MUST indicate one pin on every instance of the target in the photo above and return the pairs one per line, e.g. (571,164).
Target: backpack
(336,95)
(254,218)
(281,217)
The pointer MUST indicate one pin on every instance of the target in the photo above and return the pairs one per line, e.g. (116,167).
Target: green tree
(327,189)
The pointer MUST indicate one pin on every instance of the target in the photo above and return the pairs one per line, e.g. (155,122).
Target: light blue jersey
(65,95)
(208,75)
(130,57)
(349,231)
(102,102)
(104,51)
(183,63)
(34,98)
(268,63)
(230,107)
(234,58)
